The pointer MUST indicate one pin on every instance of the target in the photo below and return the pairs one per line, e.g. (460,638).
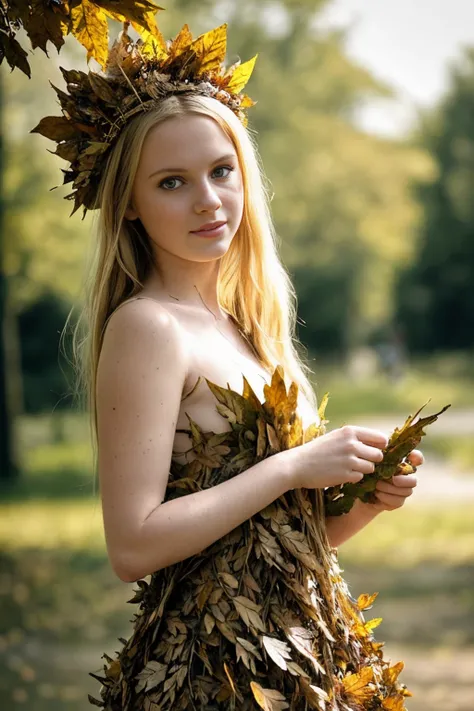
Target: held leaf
(340,499)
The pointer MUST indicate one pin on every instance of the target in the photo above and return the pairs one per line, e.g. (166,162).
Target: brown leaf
(209,622)
(42,24)
(316,696)
(14,53)
(229,580)
(248,611)
(152,675)
(57,128)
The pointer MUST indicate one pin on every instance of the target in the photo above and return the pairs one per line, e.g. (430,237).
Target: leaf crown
(137,75)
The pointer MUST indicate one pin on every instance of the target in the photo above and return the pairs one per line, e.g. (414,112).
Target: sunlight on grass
(74,525)
(435,379)
(458,450)
(411,536)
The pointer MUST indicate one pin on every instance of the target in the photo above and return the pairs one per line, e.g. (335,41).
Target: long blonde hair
(253,286)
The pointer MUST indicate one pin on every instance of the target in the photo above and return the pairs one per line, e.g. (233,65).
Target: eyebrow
(228,156)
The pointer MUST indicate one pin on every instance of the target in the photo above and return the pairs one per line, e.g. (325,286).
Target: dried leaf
(365,601)
(89,26)
(278,651)
(358,686)
(210,47)
(241,75)
(268,699)
(57,128)
(248,611)
(152,675)
(229,580)
(340,499)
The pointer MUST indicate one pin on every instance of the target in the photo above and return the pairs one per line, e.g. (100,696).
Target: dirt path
(440,679)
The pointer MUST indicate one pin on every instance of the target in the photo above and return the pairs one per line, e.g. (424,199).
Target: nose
(207,199)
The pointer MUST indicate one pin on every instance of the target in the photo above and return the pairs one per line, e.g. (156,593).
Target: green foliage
(45,250)
(435,301)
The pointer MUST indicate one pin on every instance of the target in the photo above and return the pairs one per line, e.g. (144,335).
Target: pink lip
(210,232)
(210,226)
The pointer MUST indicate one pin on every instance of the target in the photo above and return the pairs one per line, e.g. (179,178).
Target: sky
(408,44)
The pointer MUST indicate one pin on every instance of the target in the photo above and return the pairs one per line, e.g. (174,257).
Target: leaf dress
(262,618)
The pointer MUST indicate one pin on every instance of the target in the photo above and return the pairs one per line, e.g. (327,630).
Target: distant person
(391,353)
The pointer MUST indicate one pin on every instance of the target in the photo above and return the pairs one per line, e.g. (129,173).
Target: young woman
(245,605)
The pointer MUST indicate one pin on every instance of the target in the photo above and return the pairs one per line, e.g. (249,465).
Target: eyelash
(175,177)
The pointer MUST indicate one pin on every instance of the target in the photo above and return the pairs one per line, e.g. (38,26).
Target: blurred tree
(435,295)
(44,251)
(342,200)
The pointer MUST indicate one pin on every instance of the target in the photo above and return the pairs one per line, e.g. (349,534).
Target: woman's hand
(341,456)
(392,494)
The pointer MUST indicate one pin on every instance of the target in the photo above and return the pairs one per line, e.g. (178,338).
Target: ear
(130,213)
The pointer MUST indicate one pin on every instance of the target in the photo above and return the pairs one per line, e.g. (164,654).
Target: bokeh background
(365,119)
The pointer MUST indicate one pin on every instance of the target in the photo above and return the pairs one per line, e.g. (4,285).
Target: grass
(414,536)
(457,450)
(439,379)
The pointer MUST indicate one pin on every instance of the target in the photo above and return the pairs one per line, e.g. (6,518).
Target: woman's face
(188,176)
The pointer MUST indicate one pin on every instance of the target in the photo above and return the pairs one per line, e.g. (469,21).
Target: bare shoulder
(147,318)
(141,374)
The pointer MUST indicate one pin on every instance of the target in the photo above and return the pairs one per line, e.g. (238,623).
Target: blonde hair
(253,286)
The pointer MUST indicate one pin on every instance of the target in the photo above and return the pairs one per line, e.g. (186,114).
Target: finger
(372,454)
(405,480)
(416,457)
(362,466)
(388,488)
(394,502)
(373,437)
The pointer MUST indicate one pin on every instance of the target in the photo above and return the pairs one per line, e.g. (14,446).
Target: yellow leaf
(89,27)
(246,102)
(372,624)
(231,681)
(268,699)
(240,76)
(211,47)
(357,685)
(394,703)
(181,42)
(365,600)
(154,44)
(391,674)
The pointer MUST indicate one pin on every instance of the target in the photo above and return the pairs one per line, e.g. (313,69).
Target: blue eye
(225,167)
(168,180)
(173,179)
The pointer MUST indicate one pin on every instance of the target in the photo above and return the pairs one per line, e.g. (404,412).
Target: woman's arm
(142,370)
(341,528)
(185,526)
